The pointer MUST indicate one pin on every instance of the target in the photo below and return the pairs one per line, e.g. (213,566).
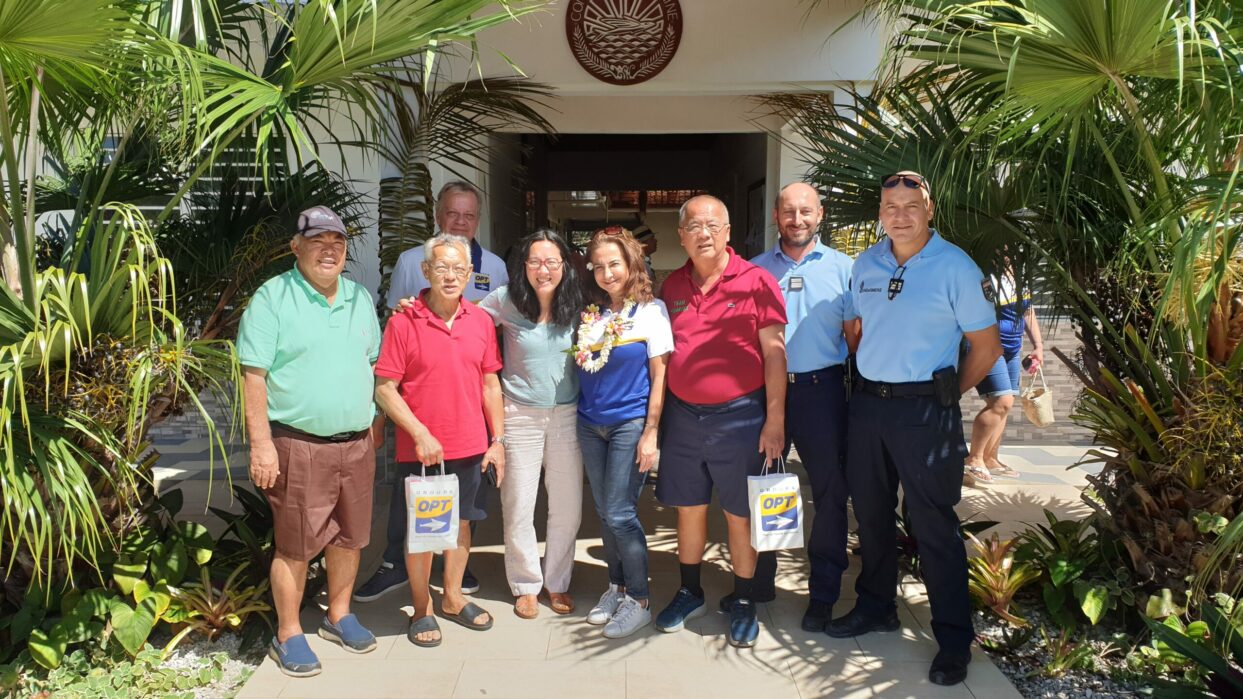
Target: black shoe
(758,597)
(949,667)
(817,616)
(387,578)
(470,584)
(856,623)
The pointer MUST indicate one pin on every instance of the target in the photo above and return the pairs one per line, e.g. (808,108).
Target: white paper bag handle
(779,461)
(423,466)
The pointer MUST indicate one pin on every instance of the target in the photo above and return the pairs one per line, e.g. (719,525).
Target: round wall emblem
(623,42)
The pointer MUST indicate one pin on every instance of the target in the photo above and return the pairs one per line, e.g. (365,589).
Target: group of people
(595,374)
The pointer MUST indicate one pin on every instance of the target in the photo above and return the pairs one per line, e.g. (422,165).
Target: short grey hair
(686,204)
(441,240)
(457,187)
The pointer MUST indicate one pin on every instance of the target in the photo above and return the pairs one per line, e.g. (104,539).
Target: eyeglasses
(552,264)
(910,181)
(697,228)
(457,270)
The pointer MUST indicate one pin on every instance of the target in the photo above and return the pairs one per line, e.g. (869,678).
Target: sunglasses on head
(911,181)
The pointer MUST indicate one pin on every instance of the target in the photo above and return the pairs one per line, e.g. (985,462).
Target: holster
(945,382)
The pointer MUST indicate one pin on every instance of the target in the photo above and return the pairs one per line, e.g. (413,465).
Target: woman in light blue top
(535,313)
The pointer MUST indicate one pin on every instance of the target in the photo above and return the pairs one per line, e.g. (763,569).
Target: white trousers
(541,438)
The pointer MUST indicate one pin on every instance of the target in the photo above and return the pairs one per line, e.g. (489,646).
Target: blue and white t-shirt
(619,390)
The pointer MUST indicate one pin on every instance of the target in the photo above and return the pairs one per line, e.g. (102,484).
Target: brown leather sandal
(526,606)
(561,602)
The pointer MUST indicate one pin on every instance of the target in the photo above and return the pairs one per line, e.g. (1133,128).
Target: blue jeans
(609,460)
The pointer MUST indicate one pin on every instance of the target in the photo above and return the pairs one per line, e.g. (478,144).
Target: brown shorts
(322,496)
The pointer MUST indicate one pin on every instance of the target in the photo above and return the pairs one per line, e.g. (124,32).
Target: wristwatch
(499,440)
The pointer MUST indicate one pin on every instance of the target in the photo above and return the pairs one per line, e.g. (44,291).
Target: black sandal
(467,615)
(423,625)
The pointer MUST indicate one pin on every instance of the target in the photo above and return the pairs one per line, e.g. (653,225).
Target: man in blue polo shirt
(917,296)
(815,281)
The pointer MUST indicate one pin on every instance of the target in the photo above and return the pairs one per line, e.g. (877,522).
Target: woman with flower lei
(621,348)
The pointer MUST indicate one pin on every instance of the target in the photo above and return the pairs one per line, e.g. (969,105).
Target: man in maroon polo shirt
(725,416)
(436,379)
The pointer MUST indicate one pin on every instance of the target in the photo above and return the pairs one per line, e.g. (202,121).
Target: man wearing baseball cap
(307,343)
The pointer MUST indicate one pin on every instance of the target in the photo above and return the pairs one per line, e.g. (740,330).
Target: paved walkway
(564,657)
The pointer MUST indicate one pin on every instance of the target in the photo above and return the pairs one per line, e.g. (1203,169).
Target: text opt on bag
(776,510)
(431,512)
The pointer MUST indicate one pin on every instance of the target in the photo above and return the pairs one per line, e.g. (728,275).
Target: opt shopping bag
(776,510)
(1038,401)
(431,512)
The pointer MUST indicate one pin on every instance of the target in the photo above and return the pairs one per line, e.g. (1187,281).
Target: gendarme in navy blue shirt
(817,296)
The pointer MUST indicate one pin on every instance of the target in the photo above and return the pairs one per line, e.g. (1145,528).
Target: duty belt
(895,390)
(816,376)
(338,437)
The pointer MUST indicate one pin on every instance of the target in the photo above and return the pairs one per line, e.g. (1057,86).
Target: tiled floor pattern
(564,657)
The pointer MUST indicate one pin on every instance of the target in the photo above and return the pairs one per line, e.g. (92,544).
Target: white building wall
(730,50)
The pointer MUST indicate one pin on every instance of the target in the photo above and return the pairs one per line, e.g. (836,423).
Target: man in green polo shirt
(307,342)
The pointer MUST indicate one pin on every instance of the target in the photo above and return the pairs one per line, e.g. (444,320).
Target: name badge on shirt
(796,284)
(483,282)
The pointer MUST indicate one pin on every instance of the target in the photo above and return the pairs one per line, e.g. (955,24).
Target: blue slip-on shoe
(684,607)
(294,657)
(387,578)
(352,635)
(744,628)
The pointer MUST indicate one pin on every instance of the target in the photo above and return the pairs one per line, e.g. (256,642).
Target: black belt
(338,437)
(831,372)
(895,390)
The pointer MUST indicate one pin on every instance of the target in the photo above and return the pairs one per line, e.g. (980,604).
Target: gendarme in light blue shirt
(539,370)
(918,332)
(817,295)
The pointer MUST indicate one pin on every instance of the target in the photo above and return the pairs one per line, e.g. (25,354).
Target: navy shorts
(1002,379)
(710,445)
(472,494)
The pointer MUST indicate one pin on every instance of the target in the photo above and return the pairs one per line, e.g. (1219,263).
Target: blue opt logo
(432,514)
(779,511)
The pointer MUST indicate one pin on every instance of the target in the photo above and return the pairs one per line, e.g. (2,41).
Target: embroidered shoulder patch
(986,285)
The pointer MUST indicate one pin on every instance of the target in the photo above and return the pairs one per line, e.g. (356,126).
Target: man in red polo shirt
(725,416)
(436,379)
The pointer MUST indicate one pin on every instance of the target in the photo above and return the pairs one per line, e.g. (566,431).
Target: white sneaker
(630,617)
(606,607)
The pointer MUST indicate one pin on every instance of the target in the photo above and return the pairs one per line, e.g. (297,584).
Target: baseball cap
(319,219)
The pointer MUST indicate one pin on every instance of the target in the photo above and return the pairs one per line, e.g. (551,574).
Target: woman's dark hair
(567,300)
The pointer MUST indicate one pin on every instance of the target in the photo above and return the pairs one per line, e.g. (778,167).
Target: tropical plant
(1066,654)
(994,579)
(1213,647)
(93,351)
(210,610)
(1082,576)
(82,676)
(451,126)
(61,67)
(1099,143)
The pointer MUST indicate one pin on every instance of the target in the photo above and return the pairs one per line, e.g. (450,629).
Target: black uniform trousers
(816,425)
(918,443)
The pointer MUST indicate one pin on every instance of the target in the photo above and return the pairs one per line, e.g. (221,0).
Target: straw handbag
(1038,401)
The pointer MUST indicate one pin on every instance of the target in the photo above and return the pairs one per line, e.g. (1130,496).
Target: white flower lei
(616,326)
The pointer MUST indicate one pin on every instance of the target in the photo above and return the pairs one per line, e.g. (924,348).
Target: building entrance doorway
(577,183)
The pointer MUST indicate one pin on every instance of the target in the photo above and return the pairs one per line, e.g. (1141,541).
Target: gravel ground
(195,650)
(1025,666)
